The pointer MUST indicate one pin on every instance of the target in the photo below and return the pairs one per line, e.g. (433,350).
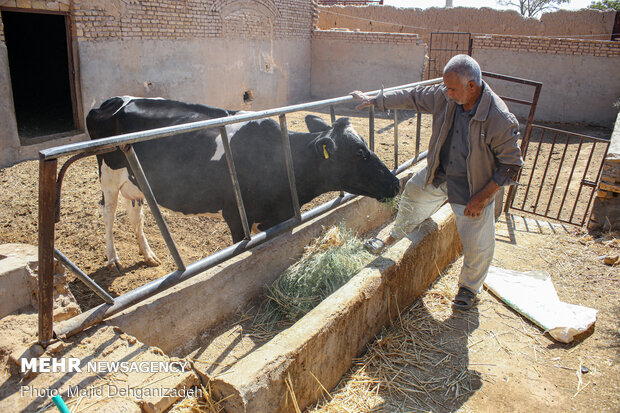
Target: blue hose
(60,404)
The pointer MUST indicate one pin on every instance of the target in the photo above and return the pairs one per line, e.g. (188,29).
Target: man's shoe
(464,299)
(374,245)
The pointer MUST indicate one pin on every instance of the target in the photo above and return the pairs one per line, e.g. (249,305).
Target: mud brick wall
(600,48)
(606,210)
(587,24)
(168,19)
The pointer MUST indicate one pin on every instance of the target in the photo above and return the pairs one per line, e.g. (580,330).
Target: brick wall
(549,46)
(366,37)
(170,19)
(58,5)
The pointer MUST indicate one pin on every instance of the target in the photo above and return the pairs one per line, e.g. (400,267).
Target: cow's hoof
(115,266)
(152,262)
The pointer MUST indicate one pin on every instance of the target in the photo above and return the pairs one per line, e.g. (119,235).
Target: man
(472,152)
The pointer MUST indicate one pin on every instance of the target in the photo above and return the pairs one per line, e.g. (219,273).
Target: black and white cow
(188,172)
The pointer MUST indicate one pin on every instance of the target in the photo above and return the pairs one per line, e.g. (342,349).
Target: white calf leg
(110,185)
(136,219)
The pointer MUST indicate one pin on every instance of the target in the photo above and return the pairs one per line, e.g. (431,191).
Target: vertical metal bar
(530,117)
(232,171)
(524,143)
(557,176)
(371,127)
(570,177)
(418,133)
(395,138)
(529,183)
(288,159)
(47,207)
(332,114)
(585,172)
(542,181)
(143,183)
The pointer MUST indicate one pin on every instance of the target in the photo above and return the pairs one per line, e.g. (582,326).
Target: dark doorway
(39,66)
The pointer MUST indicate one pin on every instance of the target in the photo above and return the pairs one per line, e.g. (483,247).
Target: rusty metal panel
(561,170)
(443,46)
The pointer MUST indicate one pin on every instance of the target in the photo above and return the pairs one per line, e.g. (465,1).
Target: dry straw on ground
(205,404)
(414,360)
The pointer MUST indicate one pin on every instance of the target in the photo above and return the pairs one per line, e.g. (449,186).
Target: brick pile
(606,209)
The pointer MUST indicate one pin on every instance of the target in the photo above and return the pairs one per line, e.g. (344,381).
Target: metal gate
(445,45)
(560,174)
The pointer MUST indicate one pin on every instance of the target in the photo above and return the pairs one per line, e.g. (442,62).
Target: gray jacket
(493,131)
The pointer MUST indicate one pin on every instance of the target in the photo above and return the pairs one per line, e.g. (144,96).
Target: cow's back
(181,168)
(119,115)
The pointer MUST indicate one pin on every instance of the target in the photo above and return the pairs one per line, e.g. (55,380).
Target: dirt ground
(488,359)
(491,358)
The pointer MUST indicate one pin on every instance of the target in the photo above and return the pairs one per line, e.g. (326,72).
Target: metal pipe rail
(135,137)
(49,196)
(99,313)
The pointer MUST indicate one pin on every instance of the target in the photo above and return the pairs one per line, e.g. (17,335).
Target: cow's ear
(325,147)
(316,124)
(342,123)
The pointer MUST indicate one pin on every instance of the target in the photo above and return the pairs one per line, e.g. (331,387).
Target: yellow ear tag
(325,152)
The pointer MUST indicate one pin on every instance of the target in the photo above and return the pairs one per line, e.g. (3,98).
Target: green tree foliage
(531,8)
(605,5)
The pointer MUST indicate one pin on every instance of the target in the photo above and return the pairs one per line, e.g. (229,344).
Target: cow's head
(347,163)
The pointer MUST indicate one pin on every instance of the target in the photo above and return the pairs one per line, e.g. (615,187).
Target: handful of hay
(327,264)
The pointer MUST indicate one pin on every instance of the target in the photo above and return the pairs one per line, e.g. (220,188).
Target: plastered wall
(343,61)
(217,73)
(581,80)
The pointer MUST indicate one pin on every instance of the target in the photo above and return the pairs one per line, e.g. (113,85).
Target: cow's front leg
(136,219)
(110,186)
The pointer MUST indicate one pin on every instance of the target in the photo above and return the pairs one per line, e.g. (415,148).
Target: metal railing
(560,178)
(530,118)
(49,209)
(49,205)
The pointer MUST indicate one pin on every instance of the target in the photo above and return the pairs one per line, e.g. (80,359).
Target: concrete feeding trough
(317,350)
(202,320)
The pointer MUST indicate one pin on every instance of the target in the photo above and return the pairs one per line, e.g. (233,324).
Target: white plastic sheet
(532,294)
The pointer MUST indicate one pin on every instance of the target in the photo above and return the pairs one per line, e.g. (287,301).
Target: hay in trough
(327,263)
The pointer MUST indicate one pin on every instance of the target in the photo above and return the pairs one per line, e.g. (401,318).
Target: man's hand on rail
(366,100)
